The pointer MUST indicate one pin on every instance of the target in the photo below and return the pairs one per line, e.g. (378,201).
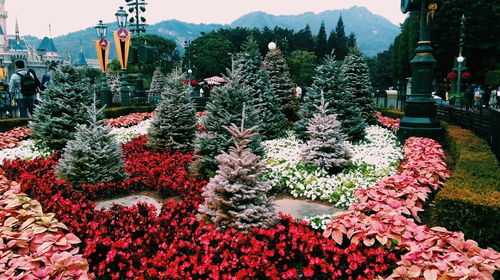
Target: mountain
(374,33)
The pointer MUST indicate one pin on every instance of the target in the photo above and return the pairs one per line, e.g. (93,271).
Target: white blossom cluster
(28,149)
(374,158)
(125,134)
(318,222)
(25,150)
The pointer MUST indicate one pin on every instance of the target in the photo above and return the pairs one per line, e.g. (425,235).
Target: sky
(64,16)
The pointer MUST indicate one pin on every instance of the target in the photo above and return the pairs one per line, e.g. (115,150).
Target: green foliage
(63,107)
(225,108)
(404,47)
(173,126)
(165,54)
(329,82)
(209,55)
(358,84)
(237,196)
(302,67)
(351,41)
(273,122)
(93,156)
(281,82)
(304,39)
(470,199)
(492,78)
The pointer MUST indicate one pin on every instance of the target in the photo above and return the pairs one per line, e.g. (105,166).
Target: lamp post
(420,118)
(102,47)
(460,60)
(122,40)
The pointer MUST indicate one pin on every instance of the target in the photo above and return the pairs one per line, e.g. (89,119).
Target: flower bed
(374,158)
(12,138)
(34,245)
(386,217)
(135,243)
(128,120)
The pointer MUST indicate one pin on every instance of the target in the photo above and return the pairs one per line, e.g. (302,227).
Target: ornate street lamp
(420,117)
(137,21)
(102,49)
(460,60)
(122,42)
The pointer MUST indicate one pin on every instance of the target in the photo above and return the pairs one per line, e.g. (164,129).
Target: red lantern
(466,76)
(452,76)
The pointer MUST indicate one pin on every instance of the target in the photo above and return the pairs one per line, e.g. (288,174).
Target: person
(498,97)
(47,77)
(24,101)
(477,97)
(493,99)
(469,97)
(38,97)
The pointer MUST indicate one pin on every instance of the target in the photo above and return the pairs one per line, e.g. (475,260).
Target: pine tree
(327,147)
(93,156)
(358,84)
(329,81)
(273,122)
(332,42)
(173,126)
(63,107)
(341,40)
(224,108)
(281,82)
(351,41)
(158,83)
(114,85)
(236,196)
(321,42)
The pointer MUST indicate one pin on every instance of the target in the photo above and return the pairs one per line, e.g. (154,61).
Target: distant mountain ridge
(374,33)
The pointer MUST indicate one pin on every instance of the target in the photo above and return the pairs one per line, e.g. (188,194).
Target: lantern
(452,76)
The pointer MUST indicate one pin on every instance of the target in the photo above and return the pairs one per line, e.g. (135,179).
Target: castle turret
(4,41)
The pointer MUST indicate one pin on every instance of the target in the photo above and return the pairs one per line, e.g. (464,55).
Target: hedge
(470,199)
(8,124)
(115,112)
(391,113)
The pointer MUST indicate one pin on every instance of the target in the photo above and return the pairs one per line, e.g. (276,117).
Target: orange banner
(122,42)
(102,49)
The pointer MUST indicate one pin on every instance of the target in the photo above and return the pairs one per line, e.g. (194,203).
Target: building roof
(81,60)
(47,45)
(17,45)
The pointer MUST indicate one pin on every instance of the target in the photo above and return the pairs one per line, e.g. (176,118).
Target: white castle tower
(4,41)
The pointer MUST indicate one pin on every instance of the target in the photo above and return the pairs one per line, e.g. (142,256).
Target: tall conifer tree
(341,40)
(276,67)
(273,122)
(358,84)
(321,42)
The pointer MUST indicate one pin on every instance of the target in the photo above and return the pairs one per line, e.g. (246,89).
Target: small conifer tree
(223,109)
(93,156)
(114,85)
(173,126)
(158,83)
(276,67)
(63,107)
(327,147)
(273,121)
(237,197)
(358,84)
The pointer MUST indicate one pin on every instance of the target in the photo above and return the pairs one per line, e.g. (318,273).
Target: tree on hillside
(340,40)
(332,41)
(302,67)
(358,84)
(351,41)
(210,55)
(273,122)
(225,108)
(304,40)
(63,107)
(321,42)
(237,196)
(281,82)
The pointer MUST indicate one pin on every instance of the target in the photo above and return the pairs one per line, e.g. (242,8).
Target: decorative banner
(122,42)
(102,49)
(3,73)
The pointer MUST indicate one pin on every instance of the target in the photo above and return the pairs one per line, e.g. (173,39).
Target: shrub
(9,124)
(470,199)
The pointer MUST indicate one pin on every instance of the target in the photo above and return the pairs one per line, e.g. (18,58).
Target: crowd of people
(23,90)
(477,98)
